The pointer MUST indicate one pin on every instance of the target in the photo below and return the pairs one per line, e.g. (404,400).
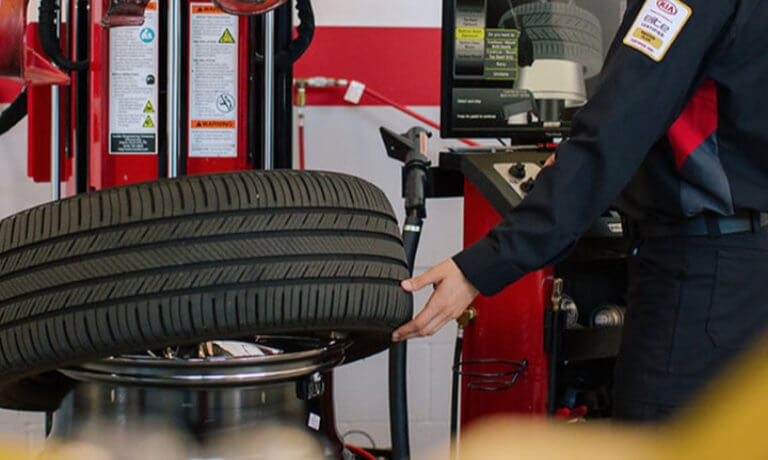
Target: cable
(407,111)
(455,390)
(305,32)
(360,452)
(469,315)
(362,433)
(14,113)
(49,38)
(398,402)
(324,82)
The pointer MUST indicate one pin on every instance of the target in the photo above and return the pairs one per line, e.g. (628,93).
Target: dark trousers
(694,303)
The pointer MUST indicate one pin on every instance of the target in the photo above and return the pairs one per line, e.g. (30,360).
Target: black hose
(398,402)
(558,320)
(411,236)
(50,41)
(14,113)
(299,45)
(398,398)
(455,391)
(305,33)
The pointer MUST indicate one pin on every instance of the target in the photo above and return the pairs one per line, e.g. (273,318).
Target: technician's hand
(452,295)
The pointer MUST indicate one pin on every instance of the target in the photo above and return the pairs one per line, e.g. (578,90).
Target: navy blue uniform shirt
(664,139)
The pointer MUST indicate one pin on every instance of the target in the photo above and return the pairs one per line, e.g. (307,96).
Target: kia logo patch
(667,7)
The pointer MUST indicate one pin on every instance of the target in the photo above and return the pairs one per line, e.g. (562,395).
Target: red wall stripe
(400,63)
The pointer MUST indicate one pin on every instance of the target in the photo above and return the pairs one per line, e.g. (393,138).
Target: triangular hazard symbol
(148,108)
(148,123)
(227,37)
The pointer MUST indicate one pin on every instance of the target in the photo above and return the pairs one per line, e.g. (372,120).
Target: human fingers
(453,294)
(411,329)
(432,276)
(436,314)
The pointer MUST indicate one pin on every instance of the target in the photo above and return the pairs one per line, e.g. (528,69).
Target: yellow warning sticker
(227,37)
(149,108)
(148,123)
(657,26)
(470,33)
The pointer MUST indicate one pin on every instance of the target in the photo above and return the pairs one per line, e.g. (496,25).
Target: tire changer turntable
(162,92)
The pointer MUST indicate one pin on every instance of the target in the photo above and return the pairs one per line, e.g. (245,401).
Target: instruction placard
(133,87)
(213,71)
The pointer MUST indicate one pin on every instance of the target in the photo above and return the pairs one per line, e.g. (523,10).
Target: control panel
(506,177)
(519,175)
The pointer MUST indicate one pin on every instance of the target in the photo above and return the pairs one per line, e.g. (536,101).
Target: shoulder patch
(657,26)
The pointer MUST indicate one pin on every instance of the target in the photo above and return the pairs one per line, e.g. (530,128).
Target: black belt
(707,224)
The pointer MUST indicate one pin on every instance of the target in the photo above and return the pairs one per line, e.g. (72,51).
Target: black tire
(563,31)
(196,258)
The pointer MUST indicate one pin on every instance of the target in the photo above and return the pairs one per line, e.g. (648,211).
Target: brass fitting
(469,315)
(301,94)
(557,293)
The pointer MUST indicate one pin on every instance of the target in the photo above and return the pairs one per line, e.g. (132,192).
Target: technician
(676,136)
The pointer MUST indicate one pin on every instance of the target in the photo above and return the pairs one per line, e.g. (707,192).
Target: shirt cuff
(482,265)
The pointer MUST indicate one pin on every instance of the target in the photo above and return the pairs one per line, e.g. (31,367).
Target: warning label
(213,71)
(132,143)
(227,37)
(206,9)
(213,124)
(133,88)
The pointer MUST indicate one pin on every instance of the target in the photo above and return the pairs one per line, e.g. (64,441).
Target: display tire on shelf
(563,31)
(183,260)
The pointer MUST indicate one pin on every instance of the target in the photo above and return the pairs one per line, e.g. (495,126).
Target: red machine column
(509,326)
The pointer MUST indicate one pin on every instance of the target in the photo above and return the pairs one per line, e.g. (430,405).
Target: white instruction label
(313,421)
(657,26)
(213,72)
(133,72)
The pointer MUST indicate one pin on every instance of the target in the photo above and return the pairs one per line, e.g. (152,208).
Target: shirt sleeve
(636,102)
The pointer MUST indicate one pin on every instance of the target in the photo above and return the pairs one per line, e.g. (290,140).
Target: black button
(517,170)
(527,186)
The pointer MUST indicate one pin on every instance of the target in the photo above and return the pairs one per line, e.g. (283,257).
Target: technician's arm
(636,103)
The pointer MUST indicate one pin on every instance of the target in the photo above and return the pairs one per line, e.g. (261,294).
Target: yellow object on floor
(726,422)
